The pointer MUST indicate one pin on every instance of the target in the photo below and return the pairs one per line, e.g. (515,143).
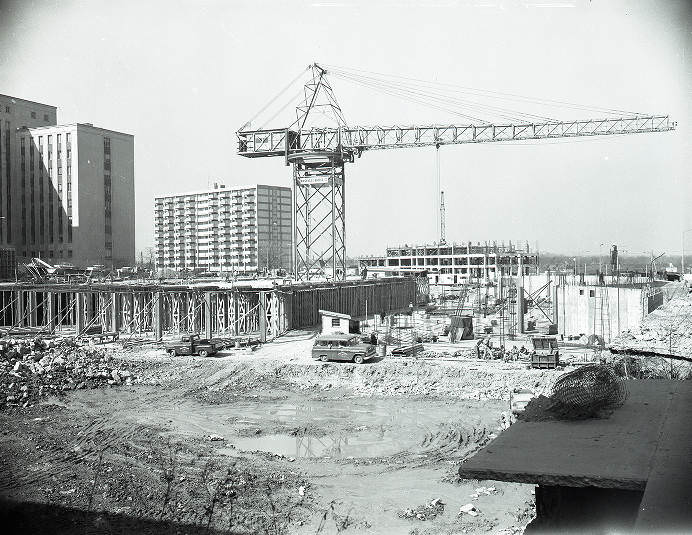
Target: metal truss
(319,222)
(358,139)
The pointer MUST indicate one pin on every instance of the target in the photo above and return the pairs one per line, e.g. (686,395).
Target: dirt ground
(268,441)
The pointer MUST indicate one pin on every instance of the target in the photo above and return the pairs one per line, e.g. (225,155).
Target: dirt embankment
(216,381)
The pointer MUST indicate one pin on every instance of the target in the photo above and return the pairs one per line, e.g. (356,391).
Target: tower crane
(318,154)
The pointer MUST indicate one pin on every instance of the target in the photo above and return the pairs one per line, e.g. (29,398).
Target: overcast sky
(182,76)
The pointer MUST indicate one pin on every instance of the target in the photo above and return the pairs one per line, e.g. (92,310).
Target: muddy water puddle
(298,426)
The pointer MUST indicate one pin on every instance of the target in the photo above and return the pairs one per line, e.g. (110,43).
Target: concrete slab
(667,500)
(615,452)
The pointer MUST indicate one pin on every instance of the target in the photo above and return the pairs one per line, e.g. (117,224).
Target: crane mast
(318,156)
(443,240)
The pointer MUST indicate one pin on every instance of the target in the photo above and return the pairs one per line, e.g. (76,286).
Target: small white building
(335,322)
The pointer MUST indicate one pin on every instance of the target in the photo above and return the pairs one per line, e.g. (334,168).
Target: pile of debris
(427,511)
(32,369)
(666,331)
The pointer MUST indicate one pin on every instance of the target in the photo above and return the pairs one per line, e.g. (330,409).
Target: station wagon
(345,347)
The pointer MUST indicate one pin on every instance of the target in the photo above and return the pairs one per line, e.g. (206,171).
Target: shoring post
(19,308)
(207,315)
(263,316)
(158,315)
(33,316)
(89,307)
(115,312)
(50,303)
(79,313)
(555,313)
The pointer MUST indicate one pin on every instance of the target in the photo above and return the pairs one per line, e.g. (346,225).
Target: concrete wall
(601,310)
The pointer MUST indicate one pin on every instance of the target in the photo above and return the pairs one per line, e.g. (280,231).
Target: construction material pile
(588,392)
(32,369)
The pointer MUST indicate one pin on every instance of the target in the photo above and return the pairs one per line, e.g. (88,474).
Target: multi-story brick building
(455,263)
(67,190)
(234,230)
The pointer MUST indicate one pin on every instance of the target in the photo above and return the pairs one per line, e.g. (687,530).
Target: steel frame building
(455,263)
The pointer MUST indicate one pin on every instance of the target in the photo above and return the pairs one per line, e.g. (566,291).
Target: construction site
(255,376)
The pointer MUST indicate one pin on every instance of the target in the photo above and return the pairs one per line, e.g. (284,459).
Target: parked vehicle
(545,353)
(192,345)
(346,347)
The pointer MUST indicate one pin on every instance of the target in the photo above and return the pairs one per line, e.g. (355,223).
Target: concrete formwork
(605,311)
(158,310)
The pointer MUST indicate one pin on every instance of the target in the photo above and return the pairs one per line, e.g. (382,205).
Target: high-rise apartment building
(67,190)
(234,230)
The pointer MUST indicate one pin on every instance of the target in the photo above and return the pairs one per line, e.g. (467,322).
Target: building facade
(74,195)
(454,263)
(15,113)
(66,191)
(240,230)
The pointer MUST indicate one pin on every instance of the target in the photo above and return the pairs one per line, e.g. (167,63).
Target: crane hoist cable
(275,98)
(445,98)
(489,93)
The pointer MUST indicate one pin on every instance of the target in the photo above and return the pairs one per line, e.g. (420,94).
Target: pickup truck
(192,345)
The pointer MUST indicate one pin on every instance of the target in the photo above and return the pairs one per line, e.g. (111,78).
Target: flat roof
(219,190)
(81,125)
(614,452)
(337,336)
(29,101)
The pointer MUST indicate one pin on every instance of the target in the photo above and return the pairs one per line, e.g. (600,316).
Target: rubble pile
(667,330)
(427,511)
(32,369)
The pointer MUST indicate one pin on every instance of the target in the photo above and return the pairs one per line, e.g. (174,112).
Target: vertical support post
(89,307)
(207,315)
(50,313)
(33,316)
(79,313)
(263,316)
(19,308)
(520,297)
(115,312)
(158,315)
(556,315)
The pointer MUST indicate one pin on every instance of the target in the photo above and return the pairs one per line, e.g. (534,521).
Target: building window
(336,322)
(7,109)
(33,115)
(69,253)
(592,293)
(45,117)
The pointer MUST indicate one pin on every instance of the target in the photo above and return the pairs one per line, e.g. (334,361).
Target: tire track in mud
(59,460)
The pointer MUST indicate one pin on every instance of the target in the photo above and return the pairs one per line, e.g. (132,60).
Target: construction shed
(628,472)
(336,322)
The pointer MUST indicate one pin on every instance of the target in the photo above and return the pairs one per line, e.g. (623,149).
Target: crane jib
(284,142)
